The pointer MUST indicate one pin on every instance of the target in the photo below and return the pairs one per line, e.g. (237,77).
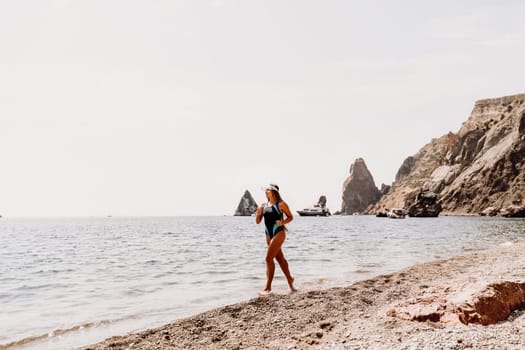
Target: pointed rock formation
(247,205)
(321,203)
(359,189)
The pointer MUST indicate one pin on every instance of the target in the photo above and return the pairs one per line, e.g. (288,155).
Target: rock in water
(247,206)
(359,189)
(321,203)
(426,205)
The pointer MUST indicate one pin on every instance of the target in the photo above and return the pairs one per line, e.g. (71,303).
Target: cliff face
(359,190)
(479,169)
(247,205)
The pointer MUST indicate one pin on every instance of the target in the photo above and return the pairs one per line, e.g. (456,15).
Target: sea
(69,282)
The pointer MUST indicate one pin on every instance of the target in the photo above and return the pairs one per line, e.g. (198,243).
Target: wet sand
(351,317)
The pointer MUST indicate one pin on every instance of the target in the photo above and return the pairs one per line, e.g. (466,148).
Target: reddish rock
(484,305)
(493,304)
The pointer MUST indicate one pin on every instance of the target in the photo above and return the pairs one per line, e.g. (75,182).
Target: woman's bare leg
(284,266)
(274,246)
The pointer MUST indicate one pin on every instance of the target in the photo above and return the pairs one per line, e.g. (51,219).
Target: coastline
(350,317)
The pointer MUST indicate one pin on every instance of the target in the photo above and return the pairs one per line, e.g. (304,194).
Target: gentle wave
(55,333)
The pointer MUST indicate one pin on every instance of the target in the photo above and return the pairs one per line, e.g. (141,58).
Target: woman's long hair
(276,194)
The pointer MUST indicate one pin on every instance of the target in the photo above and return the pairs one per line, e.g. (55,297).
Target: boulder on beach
(247,205)
(485,304)
(359,189)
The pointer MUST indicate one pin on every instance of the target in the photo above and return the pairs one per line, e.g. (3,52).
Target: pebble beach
(350,317)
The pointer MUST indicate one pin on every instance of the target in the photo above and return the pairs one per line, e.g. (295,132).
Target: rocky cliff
(478,170)
(247,205)
(359,190)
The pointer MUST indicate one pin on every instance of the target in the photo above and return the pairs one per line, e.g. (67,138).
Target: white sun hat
(271,187)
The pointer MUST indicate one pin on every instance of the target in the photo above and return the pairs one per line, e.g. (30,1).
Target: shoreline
(350,317)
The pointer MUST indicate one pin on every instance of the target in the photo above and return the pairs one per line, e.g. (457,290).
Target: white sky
(176,107)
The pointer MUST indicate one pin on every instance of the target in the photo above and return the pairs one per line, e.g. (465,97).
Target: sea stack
(247,205)
(359,189)
(321,203)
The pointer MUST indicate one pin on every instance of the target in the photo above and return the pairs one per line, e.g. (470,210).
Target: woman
(272,212)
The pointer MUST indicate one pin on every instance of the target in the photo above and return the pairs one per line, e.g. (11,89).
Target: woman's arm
(259,214)
(285,209)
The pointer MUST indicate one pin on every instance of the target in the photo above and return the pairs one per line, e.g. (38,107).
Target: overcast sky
(176,107)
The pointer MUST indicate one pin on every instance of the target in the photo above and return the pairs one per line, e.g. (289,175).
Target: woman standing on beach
(272,212)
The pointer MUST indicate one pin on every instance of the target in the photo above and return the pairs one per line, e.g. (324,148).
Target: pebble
(325,324)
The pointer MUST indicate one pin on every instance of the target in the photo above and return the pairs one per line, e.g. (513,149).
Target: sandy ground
(352,317)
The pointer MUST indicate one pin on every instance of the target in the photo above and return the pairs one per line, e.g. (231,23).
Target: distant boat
(315,211)
(397,213)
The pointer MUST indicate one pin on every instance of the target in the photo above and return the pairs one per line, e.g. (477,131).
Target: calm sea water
(71,282)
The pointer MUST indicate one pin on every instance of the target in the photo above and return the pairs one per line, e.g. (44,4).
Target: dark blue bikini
(272,214)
